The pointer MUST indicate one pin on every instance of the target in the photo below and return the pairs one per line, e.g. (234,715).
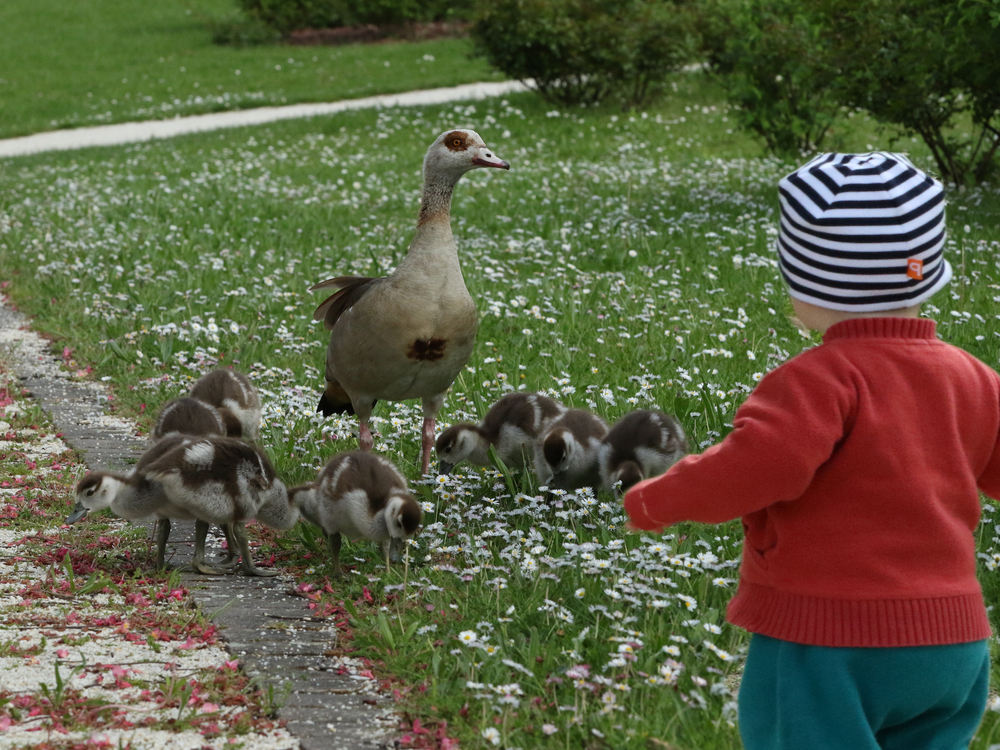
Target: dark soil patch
(411,32)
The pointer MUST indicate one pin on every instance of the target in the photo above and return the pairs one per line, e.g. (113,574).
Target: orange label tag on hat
(915,268)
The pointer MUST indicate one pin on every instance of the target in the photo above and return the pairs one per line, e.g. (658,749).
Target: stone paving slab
(327,705)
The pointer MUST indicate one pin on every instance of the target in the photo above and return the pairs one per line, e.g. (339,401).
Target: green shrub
(926,67)
(769,56)
(583,52)
(287,15)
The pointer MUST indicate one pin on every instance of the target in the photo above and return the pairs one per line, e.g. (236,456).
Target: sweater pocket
(759,538)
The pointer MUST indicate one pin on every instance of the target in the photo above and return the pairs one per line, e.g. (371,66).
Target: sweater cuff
(636,500)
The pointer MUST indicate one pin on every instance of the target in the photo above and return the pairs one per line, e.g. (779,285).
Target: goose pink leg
(426,443)
(365,439)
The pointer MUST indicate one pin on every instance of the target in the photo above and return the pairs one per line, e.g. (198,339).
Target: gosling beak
(444,467)
(78,512)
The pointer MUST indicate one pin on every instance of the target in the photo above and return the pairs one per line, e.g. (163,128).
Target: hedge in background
(584,52)
(287,15)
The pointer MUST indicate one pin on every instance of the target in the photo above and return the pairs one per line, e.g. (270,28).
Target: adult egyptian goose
(409,334)
(511,426)
(209,479)
(642,444)
(234,396)
(190,416)
(361,496)
(566,451)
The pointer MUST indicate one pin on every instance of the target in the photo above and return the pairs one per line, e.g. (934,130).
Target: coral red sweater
(855,468)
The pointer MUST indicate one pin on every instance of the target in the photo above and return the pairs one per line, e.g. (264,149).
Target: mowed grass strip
(96,62)
(624,261)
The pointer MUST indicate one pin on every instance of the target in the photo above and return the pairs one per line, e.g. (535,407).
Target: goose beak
(487,159)
(444,467)
(78,512)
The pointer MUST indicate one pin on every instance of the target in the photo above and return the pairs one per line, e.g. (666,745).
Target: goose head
(456,152)
(402,518)
(455,445)
(94,492)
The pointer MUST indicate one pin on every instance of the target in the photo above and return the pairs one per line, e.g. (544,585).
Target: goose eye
(457,142)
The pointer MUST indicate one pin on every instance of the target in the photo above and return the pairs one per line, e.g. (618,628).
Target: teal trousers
(798,697)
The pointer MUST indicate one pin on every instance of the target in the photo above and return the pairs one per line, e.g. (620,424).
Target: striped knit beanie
(862,233)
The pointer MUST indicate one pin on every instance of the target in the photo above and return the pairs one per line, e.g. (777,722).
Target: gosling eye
(91,491)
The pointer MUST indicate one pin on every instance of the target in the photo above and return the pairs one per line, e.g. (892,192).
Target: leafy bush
(586,52)
(287,15)
(928,67)
(769,56)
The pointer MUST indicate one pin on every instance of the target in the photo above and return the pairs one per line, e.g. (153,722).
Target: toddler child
(856,468)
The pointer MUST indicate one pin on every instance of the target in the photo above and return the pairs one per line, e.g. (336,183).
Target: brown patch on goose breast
(456,141)
(429,350)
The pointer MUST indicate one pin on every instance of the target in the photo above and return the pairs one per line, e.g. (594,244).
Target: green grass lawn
(92,62)
(624,261)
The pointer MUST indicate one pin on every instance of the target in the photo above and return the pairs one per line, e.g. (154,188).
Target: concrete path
(136,132)
(328,703)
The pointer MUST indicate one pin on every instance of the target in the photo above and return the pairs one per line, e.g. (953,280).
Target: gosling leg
(198,563)
(232,559)
(240,532)
(162,534)
(334,540)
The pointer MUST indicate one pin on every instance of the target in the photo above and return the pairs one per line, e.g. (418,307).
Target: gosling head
(559,449)
(402,516)
(95,491)
(455,445)
(629,474)
(456,152)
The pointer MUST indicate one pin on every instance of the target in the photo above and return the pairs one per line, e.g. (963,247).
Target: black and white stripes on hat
(862,233)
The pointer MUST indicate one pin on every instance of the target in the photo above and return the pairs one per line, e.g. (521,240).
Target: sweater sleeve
(989,480)
(787,428)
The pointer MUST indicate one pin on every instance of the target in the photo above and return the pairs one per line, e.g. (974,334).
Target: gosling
(361,496)
(566,453)
(511,427)
(209,479)
(642,444)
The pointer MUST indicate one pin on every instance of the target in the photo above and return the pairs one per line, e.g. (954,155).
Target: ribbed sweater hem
(879,623)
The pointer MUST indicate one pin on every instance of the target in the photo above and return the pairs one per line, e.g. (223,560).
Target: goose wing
(349,290)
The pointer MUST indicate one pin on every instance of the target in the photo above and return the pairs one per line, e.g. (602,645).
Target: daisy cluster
(625,261)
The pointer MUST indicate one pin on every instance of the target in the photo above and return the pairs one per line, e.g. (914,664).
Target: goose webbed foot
(240,535)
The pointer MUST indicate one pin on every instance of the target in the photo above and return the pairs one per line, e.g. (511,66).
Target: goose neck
(435,203)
